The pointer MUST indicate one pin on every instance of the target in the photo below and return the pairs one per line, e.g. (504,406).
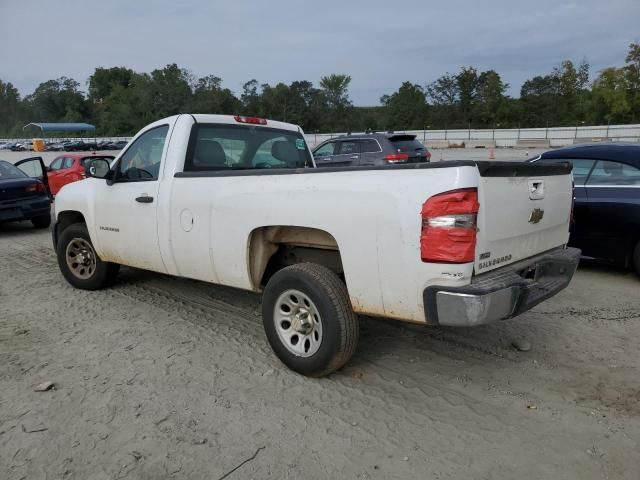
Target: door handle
(144,199)
(355,157)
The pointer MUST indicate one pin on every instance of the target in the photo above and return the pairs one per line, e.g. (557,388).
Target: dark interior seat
(209,153)
(286,152)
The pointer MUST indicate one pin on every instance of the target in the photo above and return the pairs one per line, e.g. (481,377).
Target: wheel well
(275,247)
(64,220)
(69,218)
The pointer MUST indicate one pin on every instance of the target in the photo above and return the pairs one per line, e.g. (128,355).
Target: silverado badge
(536,215)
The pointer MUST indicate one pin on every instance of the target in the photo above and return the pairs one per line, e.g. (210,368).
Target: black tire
(104,273)
(43,221)
(339,323)
(636,258)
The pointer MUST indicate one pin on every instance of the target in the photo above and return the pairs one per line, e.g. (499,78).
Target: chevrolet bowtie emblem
(536,215)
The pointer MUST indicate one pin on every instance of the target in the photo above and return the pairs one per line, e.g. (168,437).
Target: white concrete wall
(558,137)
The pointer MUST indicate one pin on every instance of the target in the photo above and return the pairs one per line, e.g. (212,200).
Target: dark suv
(370,149)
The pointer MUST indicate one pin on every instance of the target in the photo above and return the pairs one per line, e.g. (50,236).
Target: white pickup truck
(238,201)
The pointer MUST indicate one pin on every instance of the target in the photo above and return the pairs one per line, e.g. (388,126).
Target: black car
(370,149)
(24,192)
(119,145)
(55,147)
(607,200)
(76,146)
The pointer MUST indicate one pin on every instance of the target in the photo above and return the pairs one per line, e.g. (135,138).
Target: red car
(68,168)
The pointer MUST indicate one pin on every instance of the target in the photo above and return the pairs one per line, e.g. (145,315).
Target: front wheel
(79,263)
(308,319)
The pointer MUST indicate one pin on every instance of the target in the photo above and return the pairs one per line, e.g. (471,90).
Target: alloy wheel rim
(298,323)
(81,258)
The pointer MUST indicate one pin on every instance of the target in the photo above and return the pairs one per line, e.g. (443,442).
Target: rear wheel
(308,319)
(42,221)
(79,263)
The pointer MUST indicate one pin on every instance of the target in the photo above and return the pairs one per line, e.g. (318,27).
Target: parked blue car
(24,192)
(607,200)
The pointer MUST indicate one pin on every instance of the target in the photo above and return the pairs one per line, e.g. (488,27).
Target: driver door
(126,209)
(35,168)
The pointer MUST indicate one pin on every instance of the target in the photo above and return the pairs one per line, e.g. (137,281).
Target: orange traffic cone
(492,154)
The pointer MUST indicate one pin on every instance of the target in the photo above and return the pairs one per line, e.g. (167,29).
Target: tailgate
(525,210)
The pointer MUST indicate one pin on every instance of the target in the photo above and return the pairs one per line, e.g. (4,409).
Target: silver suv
(370,149)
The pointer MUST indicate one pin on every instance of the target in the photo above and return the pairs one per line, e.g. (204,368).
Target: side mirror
(98,168)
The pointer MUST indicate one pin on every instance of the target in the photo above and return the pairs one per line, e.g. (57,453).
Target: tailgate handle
(536,189)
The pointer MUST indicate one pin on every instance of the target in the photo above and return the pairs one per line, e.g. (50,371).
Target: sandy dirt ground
(160,377)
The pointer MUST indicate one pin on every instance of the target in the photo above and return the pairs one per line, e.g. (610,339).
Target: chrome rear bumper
(503,293)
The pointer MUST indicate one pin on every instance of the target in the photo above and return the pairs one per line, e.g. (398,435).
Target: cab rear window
(244,147)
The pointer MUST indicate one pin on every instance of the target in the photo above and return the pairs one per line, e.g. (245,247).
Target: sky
(379,43)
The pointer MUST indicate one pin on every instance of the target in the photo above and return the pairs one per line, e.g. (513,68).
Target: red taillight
(428,155)
(449,227)
(396,157)
(251,120)
(35,188)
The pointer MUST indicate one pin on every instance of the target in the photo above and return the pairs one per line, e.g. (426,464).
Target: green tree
(169,90)
(632,76)
(611,94)
(127,108)
(468,82)
(58,101)
(11,108)
(276,102)
(104,80)
(490,105)
(250,98)
(405,109)
(210,97)
(444,95)
(444,91)
(335,89)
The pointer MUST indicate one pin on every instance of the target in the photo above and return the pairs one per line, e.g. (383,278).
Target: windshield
(9,172)
(406,144)
(240,147)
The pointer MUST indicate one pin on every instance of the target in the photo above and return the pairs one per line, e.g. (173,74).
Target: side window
(348,147)
(614,173)
(581,167)
(325,150)
(141,161)
(67,163)
(56,164)
(369,145)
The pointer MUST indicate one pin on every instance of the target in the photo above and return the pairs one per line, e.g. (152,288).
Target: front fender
(74,200)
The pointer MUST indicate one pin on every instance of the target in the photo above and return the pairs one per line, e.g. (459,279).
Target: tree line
(119,101)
